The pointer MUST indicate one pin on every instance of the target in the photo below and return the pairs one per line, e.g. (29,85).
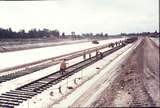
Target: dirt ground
(138,84)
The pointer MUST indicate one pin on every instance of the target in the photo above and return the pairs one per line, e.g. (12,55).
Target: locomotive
(130,40)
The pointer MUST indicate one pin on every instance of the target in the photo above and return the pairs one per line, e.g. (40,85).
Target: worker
(84,55)
(90,55)
(123,43)
(97,52)
(116,43)
(109,45)
(120,42)
(63,66)
(112,45)
(101,55)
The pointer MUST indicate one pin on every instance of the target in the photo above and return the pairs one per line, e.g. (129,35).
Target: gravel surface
(16,46)
(138,84)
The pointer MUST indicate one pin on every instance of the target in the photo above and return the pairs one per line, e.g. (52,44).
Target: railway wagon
(132,39)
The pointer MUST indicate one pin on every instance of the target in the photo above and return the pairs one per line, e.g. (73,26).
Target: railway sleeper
(54,80)
(47,79)
(18,96)
(4,105)
(53,83)
(5,78)
(33,89)
(11,97)
(43,88)
(39,90)
(81,67)
(43,82)
(9,102)
(54,76)
(11,74)
(35,85)
(46,86)
(30,86)
(2,81)
(28,90)
(8,99)
(32,83)
(70,69)
(20,93)
(32,93)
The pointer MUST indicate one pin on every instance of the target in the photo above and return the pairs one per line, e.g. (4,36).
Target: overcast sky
(81,16)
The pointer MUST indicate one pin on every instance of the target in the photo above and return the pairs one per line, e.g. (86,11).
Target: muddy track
(138,83)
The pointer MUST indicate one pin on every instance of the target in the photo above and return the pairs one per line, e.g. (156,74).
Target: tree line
(33,33)
(46,33)
(152,34)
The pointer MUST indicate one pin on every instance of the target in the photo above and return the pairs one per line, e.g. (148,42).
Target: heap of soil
(138,84)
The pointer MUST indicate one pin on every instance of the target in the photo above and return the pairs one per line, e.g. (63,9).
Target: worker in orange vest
(63,66)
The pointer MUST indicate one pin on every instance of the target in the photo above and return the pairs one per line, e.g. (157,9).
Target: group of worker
(85,54)
(63,64)
(116,43)
(98,55)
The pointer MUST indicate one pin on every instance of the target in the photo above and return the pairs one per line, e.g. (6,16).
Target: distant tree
(10,30)
(101,34)
(91,34)
(63,35)
(123,34)
(73,33)
(155,31)
(106,35)
(22,34)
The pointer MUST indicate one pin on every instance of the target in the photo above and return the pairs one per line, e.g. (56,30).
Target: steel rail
(22,70)
(27,91)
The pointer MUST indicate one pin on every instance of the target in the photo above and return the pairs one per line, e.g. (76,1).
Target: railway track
(15,97)
(21,70)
